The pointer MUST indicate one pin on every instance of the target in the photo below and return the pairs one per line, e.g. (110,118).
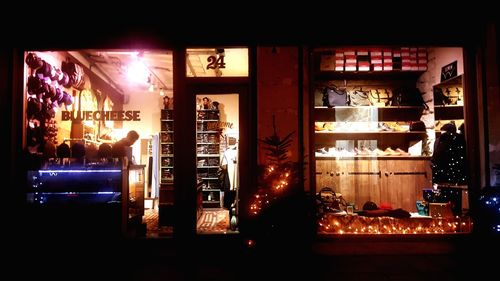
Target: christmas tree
(448,160)
(277,175)
(280,209)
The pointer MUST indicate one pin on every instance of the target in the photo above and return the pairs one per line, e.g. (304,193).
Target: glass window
(81,106)
(388,138)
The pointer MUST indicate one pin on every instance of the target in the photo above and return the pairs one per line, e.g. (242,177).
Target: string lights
(333,224)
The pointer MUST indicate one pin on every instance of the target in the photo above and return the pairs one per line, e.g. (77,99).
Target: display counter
(88,196)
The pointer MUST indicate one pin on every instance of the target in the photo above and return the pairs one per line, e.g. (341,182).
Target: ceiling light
(137,72)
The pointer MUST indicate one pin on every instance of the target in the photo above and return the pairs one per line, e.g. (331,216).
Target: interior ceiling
(113,65)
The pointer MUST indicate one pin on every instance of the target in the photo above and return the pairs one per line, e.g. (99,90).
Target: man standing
(123,147)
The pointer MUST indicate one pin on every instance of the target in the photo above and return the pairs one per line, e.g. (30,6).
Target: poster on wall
(449,71)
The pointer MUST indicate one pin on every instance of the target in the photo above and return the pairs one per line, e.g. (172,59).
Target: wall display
(448,159)
(210,169)
(166,151)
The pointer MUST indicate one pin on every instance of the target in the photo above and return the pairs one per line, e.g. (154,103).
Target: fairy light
(279,180)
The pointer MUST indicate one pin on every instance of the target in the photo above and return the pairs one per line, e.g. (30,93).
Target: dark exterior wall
(492,90)
(277,94)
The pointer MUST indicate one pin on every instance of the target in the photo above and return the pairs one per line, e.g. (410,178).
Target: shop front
(375,142)
(99,133)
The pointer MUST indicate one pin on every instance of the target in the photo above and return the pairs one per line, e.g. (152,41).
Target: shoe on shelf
(379,152)
(322,151)
(402,152)
(391,152)
(394,126)
(383,127)
(319,126)
(367,151)
(329,126)
(363,151)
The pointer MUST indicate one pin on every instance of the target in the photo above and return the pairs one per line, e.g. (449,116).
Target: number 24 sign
(216,62)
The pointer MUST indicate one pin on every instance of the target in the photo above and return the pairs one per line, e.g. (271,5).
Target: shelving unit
(208,156)
(453,89)
(397,180)
(166,196)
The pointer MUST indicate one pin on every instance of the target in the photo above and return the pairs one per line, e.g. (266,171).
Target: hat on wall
(64,80)
(49,150)
(63,151)
(34,84)
(104,150)
(77,150)
(33,61)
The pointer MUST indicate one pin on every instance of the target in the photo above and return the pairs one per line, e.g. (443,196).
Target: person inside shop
(206,103)
(167,102)
(123,147)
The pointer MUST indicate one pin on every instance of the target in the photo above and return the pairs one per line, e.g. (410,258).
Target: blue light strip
(74,192)
(78,171)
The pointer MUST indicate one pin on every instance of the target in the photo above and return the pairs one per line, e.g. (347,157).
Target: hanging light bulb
(162,93)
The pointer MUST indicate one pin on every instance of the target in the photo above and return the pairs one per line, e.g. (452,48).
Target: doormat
(214,220)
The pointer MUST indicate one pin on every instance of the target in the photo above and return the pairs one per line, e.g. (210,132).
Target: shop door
(222,141)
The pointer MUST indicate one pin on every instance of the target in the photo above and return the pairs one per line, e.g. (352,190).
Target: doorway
(222,123)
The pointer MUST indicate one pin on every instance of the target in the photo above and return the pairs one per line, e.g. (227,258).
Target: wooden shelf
(455,81)
(388,113)
(362,157)
(384,139)
(368,75)
(448,112)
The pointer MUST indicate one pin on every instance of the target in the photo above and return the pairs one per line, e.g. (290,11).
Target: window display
(373,136)
(79,104)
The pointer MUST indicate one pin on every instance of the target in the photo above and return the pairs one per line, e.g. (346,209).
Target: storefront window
(217,62)
(91,114)
(388,138)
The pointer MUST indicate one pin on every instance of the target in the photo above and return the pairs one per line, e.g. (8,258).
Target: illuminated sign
(129,115)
